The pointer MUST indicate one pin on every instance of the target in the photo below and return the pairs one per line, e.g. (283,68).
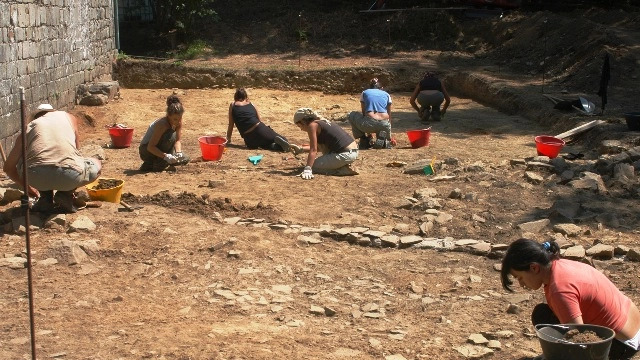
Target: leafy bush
(195,49)
(187,16)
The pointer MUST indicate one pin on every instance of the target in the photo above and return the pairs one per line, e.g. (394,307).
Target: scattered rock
(534,226)
(473,351)
(82,224)
(9,195)
(395,357)
(513,309)
(455,194)
(589,181)
(601,251)
(67,252)
(574,252)
(533,177)
(568,229)
(633,255)
(477,339)
(14,262)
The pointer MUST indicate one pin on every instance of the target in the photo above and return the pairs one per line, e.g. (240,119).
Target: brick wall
(49,47)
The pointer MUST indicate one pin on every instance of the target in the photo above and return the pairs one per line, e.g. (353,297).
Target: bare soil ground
(171,281)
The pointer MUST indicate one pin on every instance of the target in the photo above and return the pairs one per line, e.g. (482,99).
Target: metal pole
(544,52)
(389,28)
(300,38)
(24,204)
(117,23)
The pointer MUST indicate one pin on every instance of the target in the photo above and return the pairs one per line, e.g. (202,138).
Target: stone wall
(49,47)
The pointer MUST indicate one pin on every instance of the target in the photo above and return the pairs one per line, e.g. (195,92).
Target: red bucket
(548,145)
(212,147)
(121,137)
(419,138)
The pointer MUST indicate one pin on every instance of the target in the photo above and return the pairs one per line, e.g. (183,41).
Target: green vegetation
(302,35)
(195,49)
(122,55)
(186,16)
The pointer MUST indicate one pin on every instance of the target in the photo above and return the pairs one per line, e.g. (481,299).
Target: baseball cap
(41,109)
(45,107)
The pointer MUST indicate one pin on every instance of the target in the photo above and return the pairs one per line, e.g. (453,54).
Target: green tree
(187,16)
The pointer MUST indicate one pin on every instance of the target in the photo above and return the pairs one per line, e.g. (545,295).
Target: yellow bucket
(110,195)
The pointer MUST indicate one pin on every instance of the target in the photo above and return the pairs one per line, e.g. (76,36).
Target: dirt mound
(202,205)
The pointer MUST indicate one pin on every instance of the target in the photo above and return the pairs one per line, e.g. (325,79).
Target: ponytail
(524,252)
(174,105)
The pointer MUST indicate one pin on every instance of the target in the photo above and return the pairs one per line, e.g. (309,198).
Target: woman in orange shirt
(576,293)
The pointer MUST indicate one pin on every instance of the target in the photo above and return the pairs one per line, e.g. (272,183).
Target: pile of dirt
(202,205)
(105,184)
(584,337)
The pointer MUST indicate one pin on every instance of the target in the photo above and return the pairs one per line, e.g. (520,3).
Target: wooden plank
(580,129)
(553,99)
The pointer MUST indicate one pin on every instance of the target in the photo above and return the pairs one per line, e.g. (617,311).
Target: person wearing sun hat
(339,150)
(54,162)
(41,110)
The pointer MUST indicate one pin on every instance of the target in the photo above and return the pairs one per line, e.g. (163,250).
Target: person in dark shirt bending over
(430,92)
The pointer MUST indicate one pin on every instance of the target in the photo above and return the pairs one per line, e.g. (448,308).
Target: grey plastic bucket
(554,347)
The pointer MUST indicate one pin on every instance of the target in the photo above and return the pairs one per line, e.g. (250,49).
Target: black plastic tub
(554,347)
(633,120)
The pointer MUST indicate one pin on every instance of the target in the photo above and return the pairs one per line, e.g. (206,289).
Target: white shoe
(347,170)
(295,149)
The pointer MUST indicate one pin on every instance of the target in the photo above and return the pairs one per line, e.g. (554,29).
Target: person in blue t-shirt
(374,118)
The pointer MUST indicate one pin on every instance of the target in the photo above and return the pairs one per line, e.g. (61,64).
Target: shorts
(634,342)
(53,177)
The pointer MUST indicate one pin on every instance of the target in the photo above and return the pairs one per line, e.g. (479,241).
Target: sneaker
(364,142)
(159,165)
(382,142)
(283,143)
(64,201)
(146,167)
(295,149)
(435,114)
(347,170)
(44,203)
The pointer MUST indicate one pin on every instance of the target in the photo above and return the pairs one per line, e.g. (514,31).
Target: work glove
(306,173)
(171,159)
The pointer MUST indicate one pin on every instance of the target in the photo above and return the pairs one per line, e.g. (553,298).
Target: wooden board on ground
(579,129)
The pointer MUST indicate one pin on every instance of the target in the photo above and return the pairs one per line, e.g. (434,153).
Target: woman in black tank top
(339,149)
(254,132)
(430,92)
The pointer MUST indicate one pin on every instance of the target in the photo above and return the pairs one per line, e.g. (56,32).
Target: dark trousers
(262,137)
(166,144)
(542,314)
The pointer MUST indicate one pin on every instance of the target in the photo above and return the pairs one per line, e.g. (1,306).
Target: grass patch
(195,49)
